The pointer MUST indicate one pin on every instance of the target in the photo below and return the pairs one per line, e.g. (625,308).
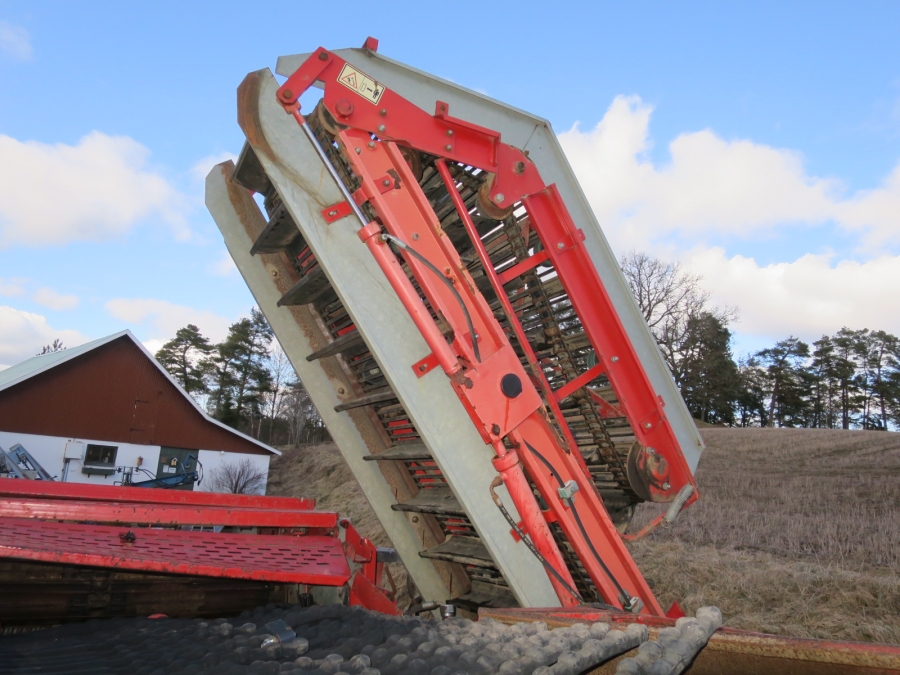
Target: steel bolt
(287,93)
(382,112)
(380,127)
(499,197)
(666,486)
(358,151)
(648,425)
(332,213)
(651,451)
(415,236)
(323,56)
(614,359)
(560,246)
(423,368)
(386,182)
(448,147)
(371,145)
(449,132)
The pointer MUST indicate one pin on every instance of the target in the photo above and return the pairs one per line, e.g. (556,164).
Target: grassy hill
(797,531)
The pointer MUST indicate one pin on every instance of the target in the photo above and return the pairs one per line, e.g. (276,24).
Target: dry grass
(797,531)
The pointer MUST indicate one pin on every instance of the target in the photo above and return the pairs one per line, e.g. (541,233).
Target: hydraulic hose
(626,596)
(399,243)
(497,482)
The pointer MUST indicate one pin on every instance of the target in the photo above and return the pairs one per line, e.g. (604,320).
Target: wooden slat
(366,400)
(407,452)
(463,550)
(341,344)
(439,501)
(310,288)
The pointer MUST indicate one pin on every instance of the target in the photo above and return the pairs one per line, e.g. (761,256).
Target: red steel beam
(14,487)
(163,514)
(315,560)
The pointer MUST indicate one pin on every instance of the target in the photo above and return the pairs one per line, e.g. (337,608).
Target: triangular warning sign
(350,79)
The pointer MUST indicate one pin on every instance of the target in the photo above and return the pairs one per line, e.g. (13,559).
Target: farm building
(93,413)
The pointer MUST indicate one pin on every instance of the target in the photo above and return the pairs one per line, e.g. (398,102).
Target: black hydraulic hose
(449,284)
(625,595)
(531,547)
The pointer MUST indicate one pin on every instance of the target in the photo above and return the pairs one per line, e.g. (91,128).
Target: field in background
(797,531)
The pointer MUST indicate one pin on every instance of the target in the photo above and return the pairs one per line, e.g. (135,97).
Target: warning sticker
(361,83)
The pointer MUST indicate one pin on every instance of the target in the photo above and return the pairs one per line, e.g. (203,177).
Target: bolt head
(380,127)
(448,147)
(358,150)
(415,236)
(651,451)
(560,246)
(449,132)
(323,56)
(499,197)
(371,145)
(614,359)
(386,182)
(382,112)
(423,368)
(648,425)
(666,486)
(332,213)
(287,94)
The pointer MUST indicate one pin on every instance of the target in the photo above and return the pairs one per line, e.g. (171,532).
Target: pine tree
(710,381)
(184,356)
(788,381)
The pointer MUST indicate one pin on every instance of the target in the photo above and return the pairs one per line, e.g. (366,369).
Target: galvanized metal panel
(305,188)
(235,213)
(534,134)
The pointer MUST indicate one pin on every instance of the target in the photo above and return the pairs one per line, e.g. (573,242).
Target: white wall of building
(50,452)
(213,459)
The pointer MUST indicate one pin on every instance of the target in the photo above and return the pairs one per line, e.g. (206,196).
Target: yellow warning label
(361,83)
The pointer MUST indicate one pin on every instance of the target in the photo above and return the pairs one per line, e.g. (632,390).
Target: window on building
(100,459)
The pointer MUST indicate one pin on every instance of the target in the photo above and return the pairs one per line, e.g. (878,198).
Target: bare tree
(242,477)
(671,301)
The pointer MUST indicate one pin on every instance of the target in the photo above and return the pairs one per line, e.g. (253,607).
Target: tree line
(849,380)
(245,381)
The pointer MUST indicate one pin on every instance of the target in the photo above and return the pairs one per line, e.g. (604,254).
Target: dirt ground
(797,531)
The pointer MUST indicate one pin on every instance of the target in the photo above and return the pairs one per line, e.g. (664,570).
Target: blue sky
(758,143)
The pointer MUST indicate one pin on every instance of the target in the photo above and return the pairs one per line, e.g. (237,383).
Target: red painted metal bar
(404,215)
(164,514)
(378,110)
(407,217)
(519,269)
(574,385)
(12,487)
(536,370)
(315,560)
(641,405)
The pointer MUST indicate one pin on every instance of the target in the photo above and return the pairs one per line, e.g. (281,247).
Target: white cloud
(202,167)
(93,191)
(223,267)
(164,317)
(15,41)
(58,301)
(23,334)
(10,287)
(808,297)
(153,345)
(712,186)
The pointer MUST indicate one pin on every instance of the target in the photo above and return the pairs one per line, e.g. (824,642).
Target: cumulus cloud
(164,317)
(23,334)
(807,297)
(15,41)
(93,191)
(713,186)
(58,301)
